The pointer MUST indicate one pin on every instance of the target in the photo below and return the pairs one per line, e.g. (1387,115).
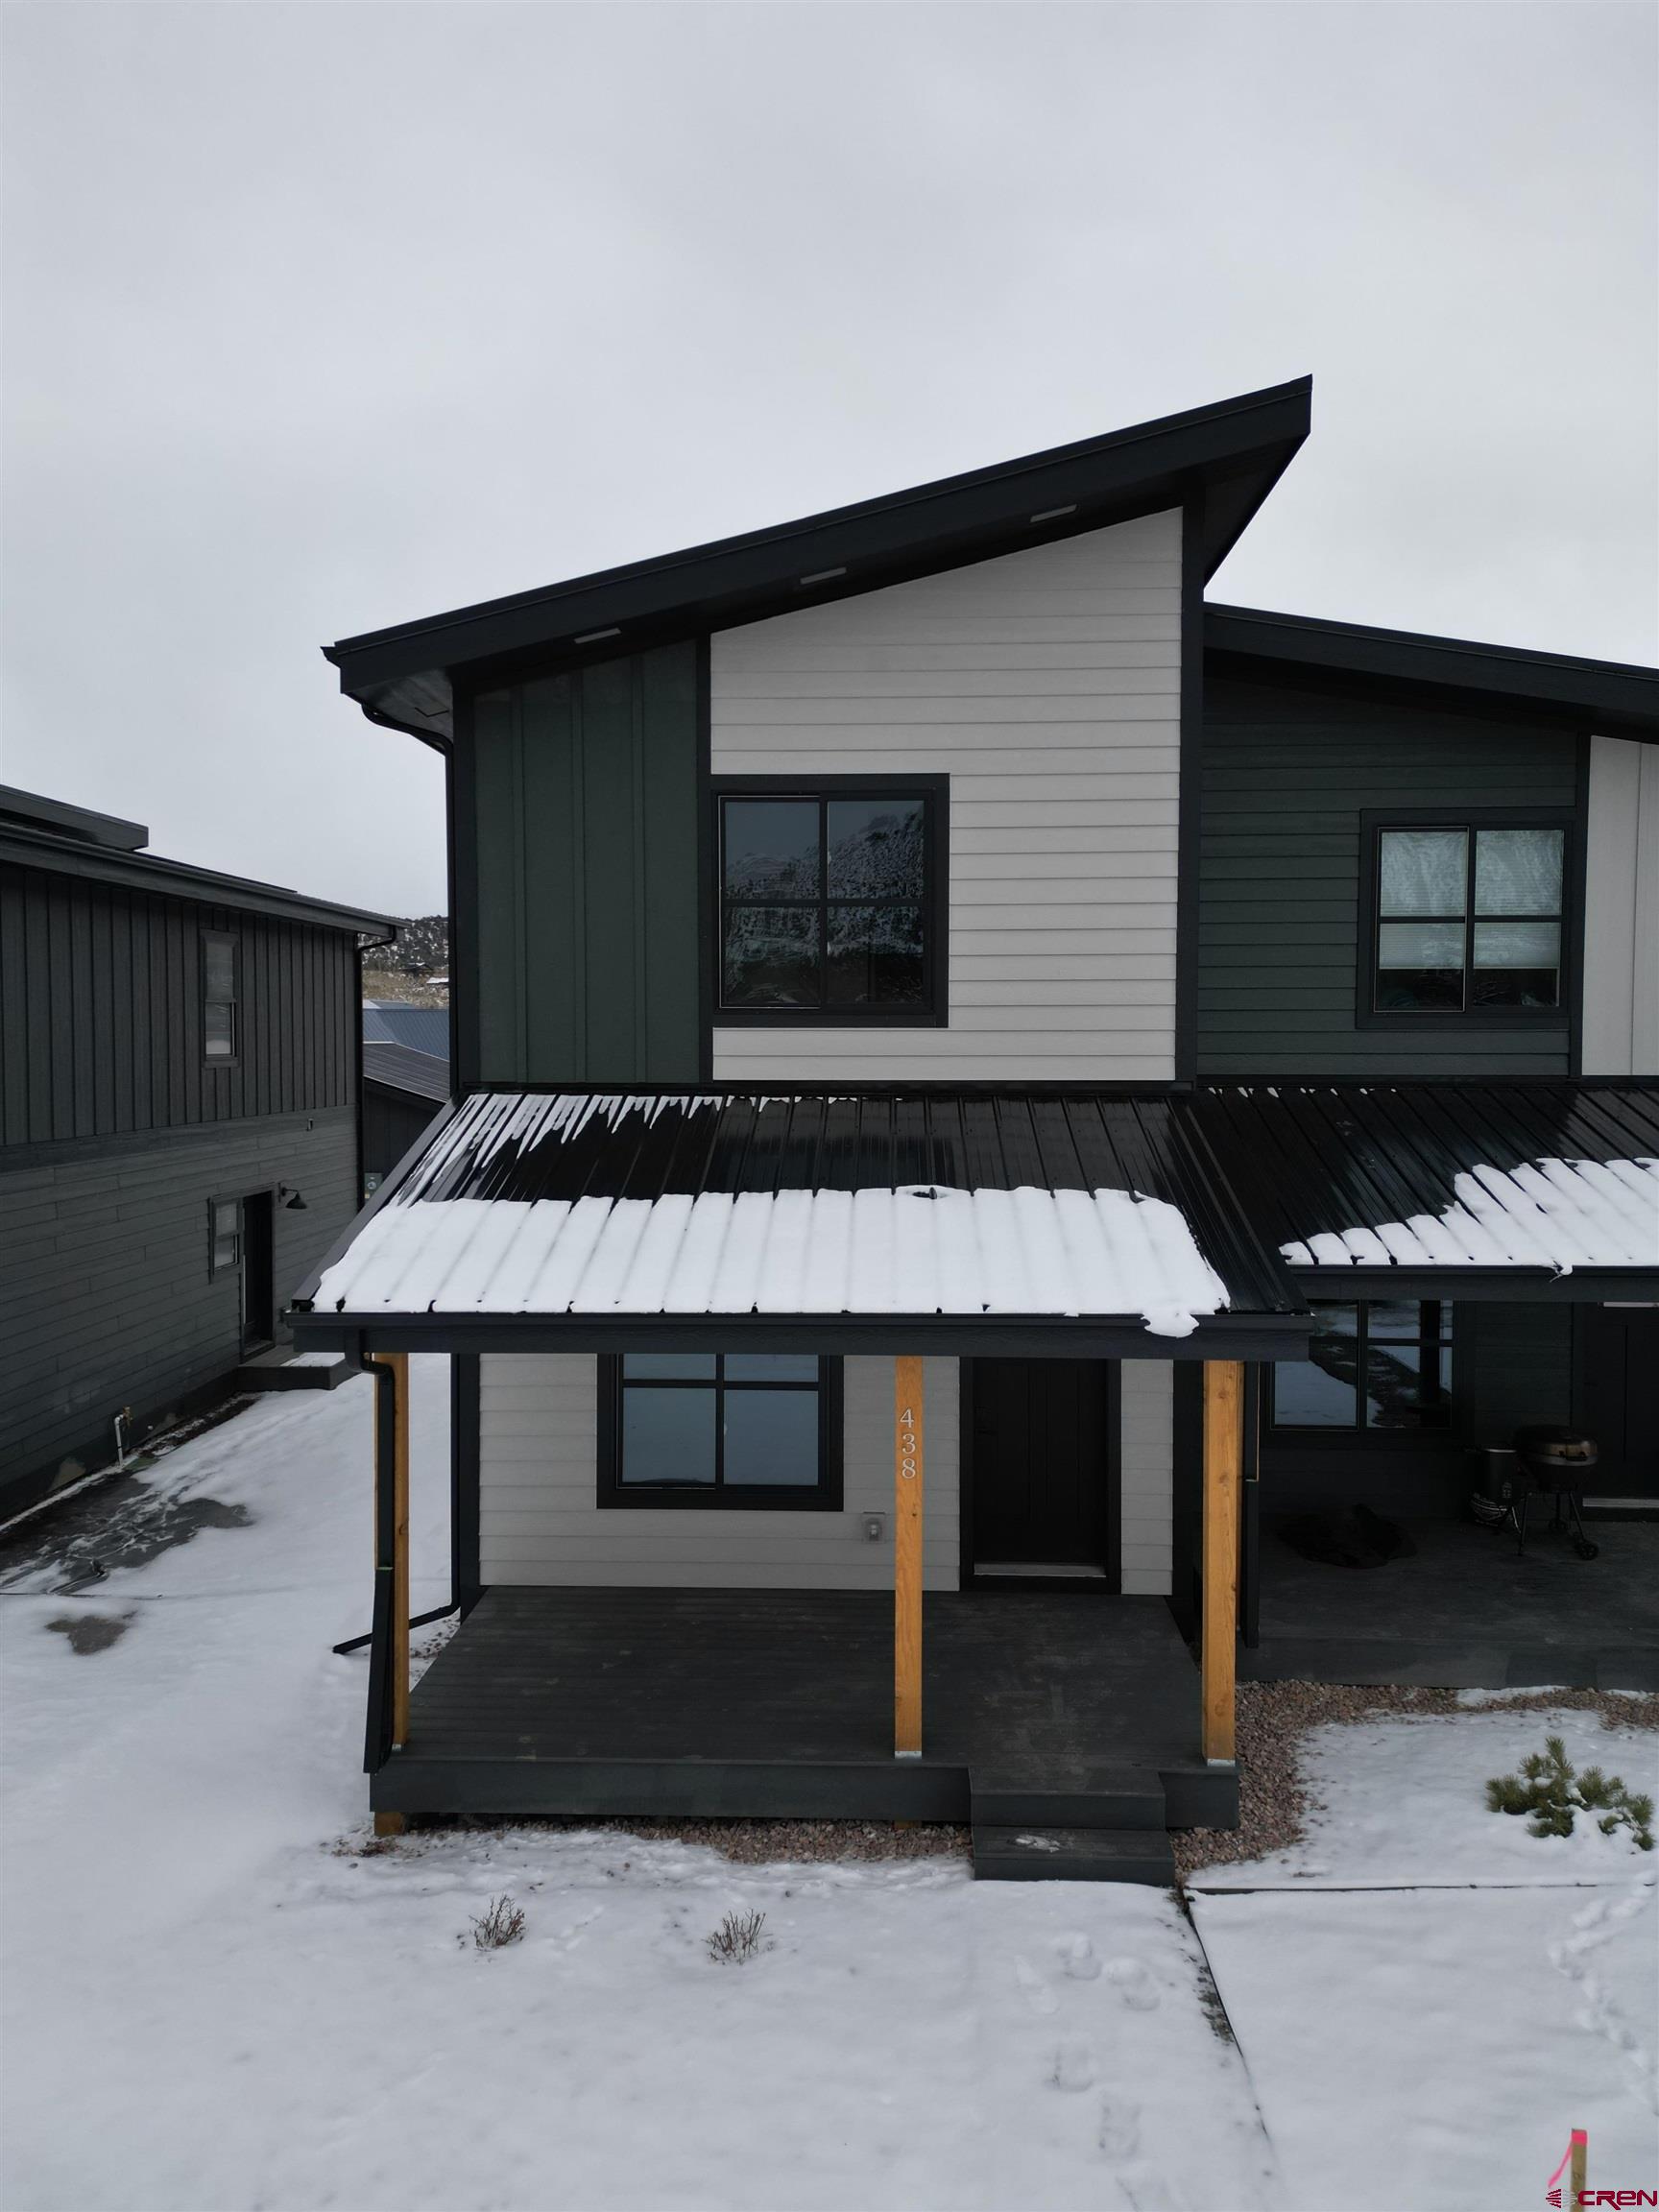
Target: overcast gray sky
(319,317)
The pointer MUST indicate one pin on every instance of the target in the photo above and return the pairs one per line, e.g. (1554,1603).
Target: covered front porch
(1041,1708)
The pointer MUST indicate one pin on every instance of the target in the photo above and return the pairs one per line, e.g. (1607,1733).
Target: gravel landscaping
(1273,1717)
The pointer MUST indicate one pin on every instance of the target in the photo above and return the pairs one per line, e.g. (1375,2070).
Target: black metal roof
(1235,450)
(651,1144)
(63,852)
(1613,697)
(1324,1159)
(401,1068)
(38,811)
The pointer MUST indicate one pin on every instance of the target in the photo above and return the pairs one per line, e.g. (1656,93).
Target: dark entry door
(1044,1469)
(258,1274)
(1616,1391)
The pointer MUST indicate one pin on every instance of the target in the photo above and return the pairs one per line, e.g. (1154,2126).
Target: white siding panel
(1622,910)
(540,1525)
(1046,685)
(1146,1393)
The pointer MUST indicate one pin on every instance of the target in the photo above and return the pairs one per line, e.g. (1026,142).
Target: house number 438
(907,1445)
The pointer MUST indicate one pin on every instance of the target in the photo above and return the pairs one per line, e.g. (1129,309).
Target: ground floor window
(1379,1366)
(719,1428)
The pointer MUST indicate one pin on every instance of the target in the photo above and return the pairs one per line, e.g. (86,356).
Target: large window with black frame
(1469,920)
(719,1428)
(1383,1367)
(826,901)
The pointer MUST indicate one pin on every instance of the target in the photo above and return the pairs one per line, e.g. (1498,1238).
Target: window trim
(232,938)
(825,1497)
(1359,1434)
(232,1267)
(1373,820)
(935,790)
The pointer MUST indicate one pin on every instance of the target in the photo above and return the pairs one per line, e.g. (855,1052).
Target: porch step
(293,1371)
(1057,1854)
(1105,1797)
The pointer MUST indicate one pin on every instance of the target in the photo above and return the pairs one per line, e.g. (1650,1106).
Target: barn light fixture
(293,1201)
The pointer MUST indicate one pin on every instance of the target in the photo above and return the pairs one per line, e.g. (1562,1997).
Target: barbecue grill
(1553,1463)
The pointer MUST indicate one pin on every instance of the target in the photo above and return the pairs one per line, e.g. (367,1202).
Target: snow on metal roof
(656,1203)
(1560,1214)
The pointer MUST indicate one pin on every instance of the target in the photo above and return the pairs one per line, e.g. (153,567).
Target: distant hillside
(415,970)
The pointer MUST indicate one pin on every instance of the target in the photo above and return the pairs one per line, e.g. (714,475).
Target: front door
(1616,1394)
(1044,1502)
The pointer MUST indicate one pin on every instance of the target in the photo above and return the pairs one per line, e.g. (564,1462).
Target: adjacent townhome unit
(971,1064)
(179,1137)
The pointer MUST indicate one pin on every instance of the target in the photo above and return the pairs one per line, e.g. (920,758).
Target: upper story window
(1380,1366)
(831,899)
(219,994)
(1468,918)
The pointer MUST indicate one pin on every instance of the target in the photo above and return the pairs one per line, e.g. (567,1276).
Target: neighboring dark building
(402,1089)
(178,1136)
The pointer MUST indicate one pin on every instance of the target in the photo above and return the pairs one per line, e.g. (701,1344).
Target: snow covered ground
(215,2000)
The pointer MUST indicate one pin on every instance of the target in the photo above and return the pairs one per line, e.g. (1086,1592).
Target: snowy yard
(216,2000)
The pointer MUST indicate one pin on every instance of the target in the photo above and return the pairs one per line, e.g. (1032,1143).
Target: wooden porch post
(396,1363)
(907,1479)
(1223,1453)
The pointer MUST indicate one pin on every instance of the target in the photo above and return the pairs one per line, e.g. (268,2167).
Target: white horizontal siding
(1046,685)
(1622,910)
(1146,1466)
(539,1524)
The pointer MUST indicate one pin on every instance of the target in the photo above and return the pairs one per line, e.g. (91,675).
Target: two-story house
(945,1022)
(179,1132)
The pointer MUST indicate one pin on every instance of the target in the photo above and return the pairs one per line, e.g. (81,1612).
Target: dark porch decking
(1037,1705)
(1466,1612)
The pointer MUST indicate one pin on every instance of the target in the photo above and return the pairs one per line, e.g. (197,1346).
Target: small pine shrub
(1548,1790)
(502,1924)
(739,1938)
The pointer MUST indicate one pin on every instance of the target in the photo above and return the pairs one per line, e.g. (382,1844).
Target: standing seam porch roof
(1188,1208)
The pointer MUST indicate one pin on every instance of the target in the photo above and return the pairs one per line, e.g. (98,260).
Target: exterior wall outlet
(874,1527)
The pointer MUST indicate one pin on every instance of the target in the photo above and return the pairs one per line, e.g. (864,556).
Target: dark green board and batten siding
(1287,774)
(582,791)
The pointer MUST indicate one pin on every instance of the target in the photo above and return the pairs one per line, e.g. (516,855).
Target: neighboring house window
(218,995)
(831,899)
(721,1429)
(1380,1366)
(223,1235)
(1468,918)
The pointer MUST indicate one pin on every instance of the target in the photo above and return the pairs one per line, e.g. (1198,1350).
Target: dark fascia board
(1491,1286)
(1037,1337)
(1611,697)
(175,879)
(33,809)
(405,676)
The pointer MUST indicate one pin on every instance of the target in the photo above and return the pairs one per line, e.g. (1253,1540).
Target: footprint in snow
(1134,1985)
(1037,1994)
(1119,2128)
(1073,2067)
(1080,1958)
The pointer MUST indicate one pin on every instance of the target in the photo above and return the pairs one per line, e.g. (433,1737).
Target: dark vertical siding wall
(584,804)
(392,1121)
(1286,775)
(101,1013)
(106,1296)
(1513,1369)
